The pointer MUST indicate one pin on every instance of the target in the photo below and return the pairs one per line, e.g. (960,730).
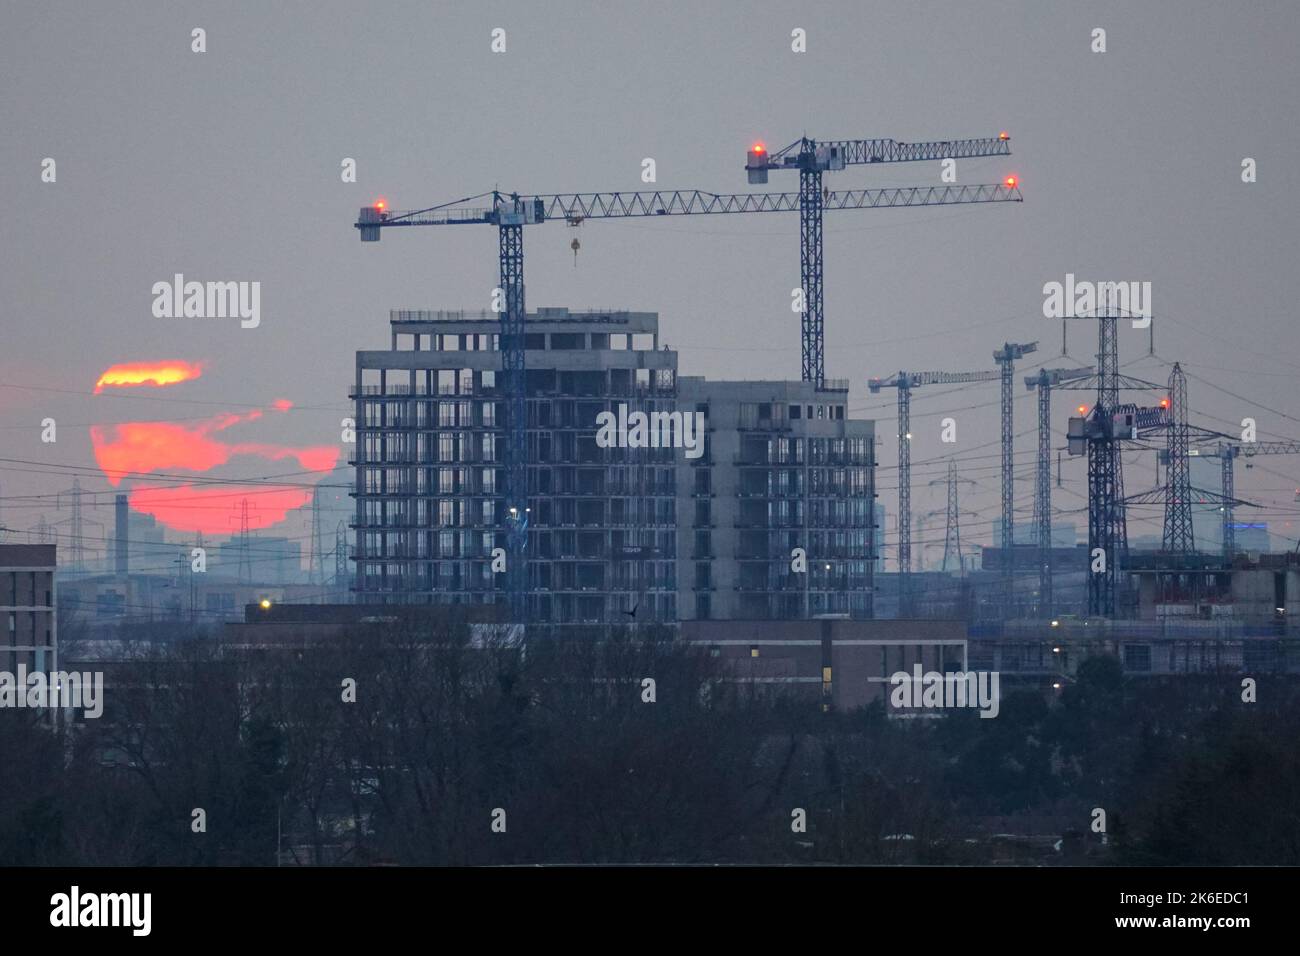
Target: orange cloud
(317,458)
(138,449)
(219,423)
(144,447)
(216,509)
(155,374)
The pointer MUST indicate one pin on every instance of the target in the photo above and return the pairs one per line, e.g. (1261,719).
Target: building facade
(843,664)
(618,529)
(787,483)
(27,601)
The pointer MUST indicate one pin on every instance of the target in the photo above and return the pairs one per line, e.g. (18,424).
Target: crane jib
(571,207)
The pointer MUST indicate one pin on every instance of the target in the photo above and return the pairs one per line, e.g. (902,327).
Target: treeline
(408,743)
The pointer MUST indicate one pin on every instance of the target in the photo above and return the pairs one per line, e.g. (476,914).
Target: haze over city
(226,167)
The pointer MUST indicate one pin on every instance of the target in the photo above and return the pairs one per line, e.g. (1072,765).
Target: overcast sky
(225,165)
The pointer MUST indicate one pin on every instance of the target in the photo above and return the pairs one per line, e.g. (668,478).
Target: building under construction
(768,517)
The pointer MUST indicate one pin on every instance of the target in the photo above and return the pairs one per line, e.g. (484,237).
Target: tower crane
(510,212)
(1227,452)
(1006,357)
(1099,434)
(812,158)
(1045,381)
(905,382)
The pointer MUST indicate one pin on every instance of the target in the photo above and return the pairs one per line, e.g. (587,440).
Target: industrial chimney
(122,532)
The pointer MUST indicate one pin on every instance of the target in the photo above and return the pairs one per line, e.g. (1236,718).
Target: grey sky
(225,165)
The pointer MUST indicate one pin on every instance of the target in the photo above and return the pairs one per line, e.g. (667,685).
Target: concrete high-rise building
(787,477)
(670,533)
(602,525)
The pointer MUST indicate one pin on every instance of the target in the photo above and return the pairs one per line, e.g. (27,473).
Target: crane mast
(1045,381)
(1228,451)
(1006,357)
(905,382)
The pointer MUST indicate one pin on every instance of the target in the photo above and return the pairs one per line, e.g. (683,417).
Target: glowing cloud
(154,374)
(317,458)
(213,509)
(134,448)
(139,450)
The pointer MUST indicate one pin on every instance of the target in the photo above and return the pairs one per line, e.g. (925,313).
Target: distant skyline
(224,166)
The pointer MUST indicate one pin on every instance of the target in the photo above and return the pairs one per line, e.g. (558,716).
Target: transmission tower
(317,570)
(245,557)
(76,523)
(1177,494)
(1178,534)
(78,543)
(952,533)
